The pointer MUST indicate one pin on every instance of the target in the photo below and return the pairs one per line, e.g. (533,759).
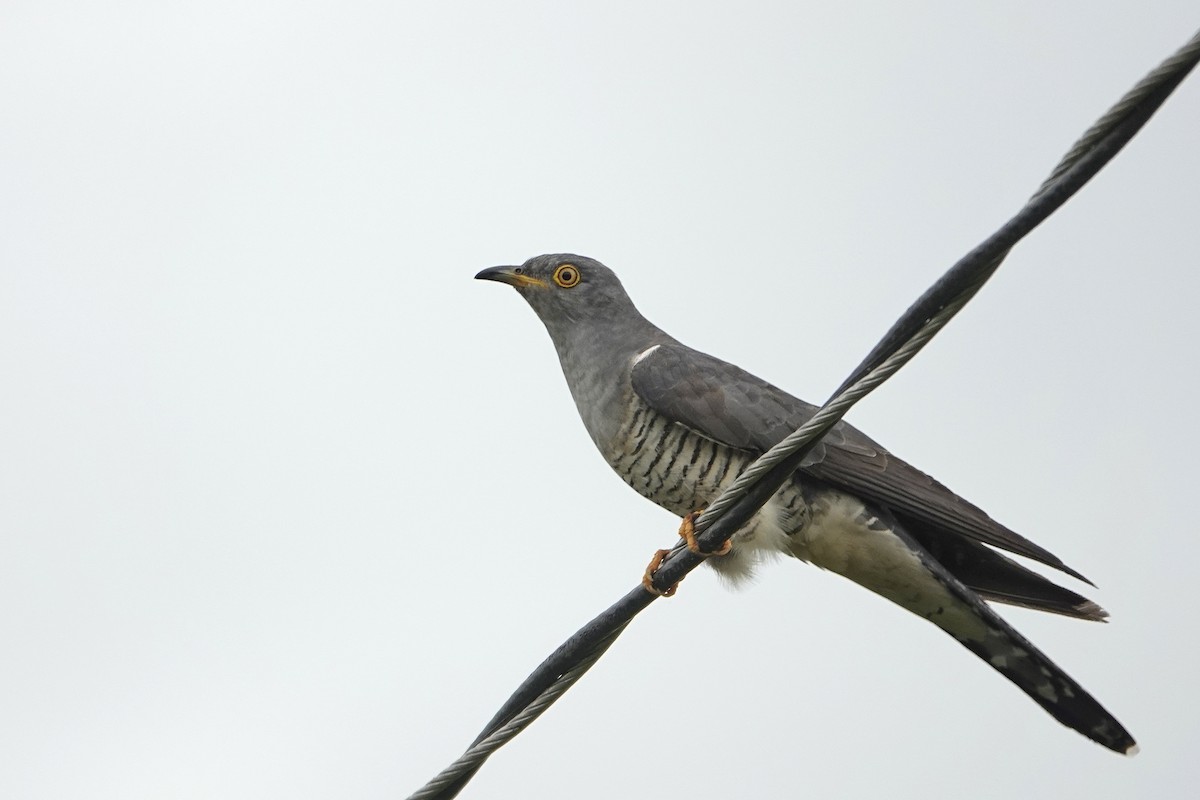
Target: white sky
(289,504)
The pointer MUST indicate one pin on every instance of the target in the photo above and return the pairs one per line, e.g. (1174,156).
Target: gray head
(592,322)
(567,290)
(594,326)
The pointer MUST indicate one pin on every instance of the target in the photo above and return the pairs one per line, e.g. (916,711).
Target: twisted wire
(827,416)
(1178,64)
(478,752)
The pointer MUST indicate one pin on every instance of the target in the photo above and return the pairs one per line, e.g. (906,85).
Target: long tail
(878,553)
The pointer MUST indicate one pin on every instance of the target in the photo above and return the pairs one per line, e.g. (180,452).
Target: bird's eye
(567,275)
(518,270)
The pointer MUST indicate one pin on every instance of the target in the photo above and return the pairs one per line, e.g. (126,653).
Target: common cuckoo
(679,426)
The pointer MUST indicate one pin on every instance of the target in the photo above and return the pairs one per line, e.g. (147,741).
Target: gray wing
(731,406)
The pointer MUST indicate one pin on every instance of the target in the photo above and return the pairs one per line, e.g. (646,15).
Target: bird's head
(566,290)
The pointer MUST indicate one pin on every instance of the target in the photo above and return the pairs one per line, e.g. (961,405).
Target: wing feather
(733,407)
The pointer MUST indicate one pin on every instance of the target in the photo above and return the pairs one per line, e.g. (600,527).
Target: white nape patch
(644,353)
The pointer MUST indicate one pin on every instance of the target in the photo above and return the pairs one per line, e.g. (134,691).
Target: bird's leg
(687,532)
(648,577)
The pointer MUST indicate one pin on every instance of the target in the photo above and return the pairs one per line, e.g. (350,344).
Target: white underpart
(760,540)
(841,539)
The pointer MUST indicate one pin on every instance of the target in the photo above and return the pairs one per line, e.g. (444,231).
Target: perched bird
(679,426)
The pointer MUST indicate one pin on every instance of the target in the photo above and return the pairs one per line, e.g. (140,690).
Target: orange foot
(687,531)
(648,577)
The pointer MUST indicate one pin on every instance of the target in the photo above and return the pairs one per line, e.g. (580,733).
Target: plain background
(289,504)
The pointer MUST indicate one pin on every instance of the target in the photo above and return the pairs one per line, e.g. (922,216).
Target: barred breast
(683,471)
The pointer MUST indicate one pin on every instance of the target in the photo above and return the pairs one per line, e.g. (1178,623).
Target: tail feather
(997,577)
(1082,609)
(1016,658)
(874,550)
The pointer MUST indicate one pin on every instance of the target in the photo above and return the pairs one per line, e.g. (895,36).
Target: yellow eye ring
(567,275)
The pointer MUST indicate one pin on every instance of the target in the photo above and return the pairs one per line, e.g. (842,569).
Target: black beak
(510,275)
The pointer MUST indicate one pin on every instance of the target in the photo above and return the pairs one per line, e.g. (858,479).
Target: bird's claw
(687,532)
(648,577)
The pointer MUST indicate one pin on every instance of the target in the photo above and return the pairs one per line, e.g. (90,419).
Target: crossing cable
(757,483)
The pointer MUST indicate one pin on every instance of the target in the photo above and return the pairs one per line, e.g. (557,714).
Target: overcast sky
(289,504)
